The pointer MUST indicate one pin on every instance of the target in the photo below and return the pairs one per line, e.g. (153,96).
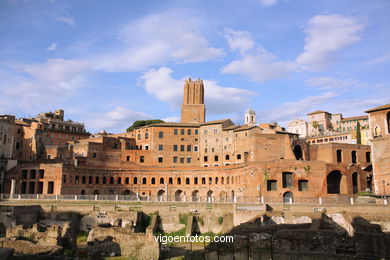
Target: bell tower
(193,109)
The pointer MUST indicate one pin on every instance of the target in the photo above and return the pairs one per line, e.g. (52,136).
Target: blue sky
(108,63)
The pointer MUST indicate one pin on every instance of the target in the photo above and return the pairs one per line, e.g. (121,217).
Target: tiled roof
(387,106)
(317,112)
(354,118)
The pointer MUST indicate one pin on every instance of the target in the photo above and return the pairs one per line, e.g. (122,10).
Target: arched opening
(135,180)
(287,197)
(97,180)
(216,180)
(203,180)
(144,180)
(333,181)
(111,180)
(104,180)
(179,181)
(161,180)
(160,195)
(354,157)
(96,192)
(111,192)
(127,180)
(368,157)
(153,181)
(187,181)
(126,192)
(388,122)
(83,180)
(233,195)
(170,180)
(339,156)
(196,180)
(298,152)
(355,186)
(178,195)
(210,196)
(90,180)
(119,180)
(82,192)
(210,180)
(222,180)
(195,195)
(227,180)
(377,131)
(222,196)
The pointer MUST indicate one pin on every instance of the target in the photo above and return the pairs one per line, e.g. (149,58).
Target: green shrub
(220,220)
(81,236)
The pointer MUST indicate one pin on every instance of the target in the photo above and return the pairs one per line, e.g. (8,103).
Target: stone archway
(178,195)
(210,196)
(160,195)
(96,192)
(298,152)
(195,196)
(333,182)
(223,196)
(355,182)
(287,197)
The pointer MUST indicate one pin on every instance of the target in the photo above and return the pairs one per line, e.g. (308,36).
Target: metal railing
(334,200)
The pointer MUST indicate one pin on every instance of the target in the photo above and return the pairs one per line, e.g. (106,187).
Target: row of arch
(178,195)
(333,181)
(144,181)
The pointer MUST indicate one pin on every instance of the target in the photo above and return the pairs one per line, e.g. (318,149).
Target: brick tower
(193,109)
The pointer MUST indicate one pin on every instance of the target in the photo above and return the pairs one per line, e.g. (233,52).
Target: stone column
(13,184)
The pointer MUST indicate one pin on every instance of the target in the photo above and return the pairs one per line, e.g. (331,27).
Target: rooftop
(318,112)
(387,106)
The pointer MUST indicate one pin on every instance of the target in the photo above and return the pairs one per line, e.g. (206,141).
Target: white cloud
(171,119)
(38,84)
(326,35)
(67,20)
(331,83)
(260,66)
(289,110)
(239,40)
(52,46)
(116,120)
(268,2)
(158,39)
(219,100)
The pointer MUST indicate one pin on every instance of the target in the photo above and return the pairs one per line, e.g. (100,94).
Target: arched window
(368,157)
(179,181)
(104,180)
(144,180)
(119,180)
(139,137)
(83,180)
(135,180)
(97,180)
(111,180)
(153,180)
(196,180)
(216,180)
(339,156)
(82,192)
(170,180)
(90,179)
(162,180)
(203,180)
(222,180)
(127,180)
(354,157)
(210,180)
(187,181)
(228,180)
(146,135)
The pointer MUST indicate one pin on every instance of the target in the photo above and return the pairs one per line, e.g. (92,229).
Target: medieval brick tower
(193,109)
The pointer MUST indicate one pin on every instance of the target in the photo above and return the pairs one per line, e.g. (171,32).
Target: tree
(140,123)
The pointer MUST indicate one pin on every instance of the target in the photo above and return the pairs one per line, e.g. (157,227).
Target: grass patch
(81,236)
(364,193)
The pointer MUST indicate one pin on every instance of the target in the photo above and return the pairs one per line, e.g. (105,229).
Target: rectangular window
(93,155)
(189,148)
(272,185)
(127,158)
(287,179)
(160,147)
(195,148)
(303,185)
(182,148)
(205,159)
(50,187)
(160,159)
(32,174)
(216,158)
(188,159)
(41,174)
(175,147)
(182,131)
(160,134)
(175,159)
(181,159)
(142,159)
(196,131)
(188,131)
(175,131)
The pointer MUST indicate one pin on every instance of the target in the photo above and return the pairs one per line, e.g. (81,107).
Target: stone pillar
(320,200)
(13,185)
(352,202)
(290,200)
(262,199)
(116,197)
